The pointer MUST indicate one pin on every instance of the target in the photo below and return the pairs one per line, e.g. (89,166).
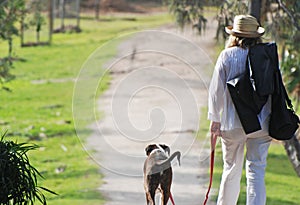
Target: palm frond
(18,178)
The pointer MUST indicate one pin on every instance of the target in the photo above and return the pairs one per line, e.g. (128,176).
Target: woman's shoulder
(234,52)
(235,49)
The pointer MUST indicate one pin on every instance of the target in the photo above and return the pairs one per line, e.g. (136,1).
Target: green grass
(282,183)
(78,183)
(39,108)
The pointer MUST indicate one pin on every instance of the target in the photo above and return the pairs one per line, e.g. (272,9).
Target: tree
(10,12)
(255,8)
(228,9)
(97,9)
(188,12)
(286,29)
(78,14)
(37,19)
(22,26)
(66,10)
(62,13)
(292,148)
(50,17)
(5,74)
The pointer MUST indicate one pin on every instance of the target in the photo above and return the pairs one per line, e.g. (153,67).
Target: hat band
(245,27)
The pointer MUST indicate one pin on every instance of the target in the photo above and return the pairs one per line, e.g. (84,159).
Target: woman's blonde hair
(242,41)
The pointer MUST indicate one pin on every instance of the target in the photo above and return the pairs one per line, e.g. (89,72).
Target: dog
(158,172)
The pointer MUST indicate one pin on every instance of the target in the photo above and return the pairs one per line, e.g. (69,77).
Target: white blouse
(230,64)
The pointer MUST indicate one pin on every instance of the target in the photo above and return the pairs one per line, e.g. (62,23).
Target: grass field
(39,108)
(282,183)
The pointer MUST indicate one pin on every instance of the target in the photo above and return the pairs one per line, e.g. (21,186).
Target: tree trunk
(22,31)
(97,9)
(292,148)
(78,14)
(55,9)
(255,6)
(62,14)
(10,47)
(265,5)
(50,20)
(38,37)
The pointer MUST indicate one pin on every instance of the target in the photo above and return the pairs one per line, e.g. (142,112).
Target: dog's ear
(149,148)
(166,148)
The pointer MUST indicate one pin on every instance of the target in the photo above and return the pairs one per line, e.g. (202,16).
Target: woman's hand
(215,129)
(215,132)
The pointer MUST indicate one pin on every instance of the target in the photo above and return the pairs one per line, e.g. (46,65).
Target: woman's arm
(217,90)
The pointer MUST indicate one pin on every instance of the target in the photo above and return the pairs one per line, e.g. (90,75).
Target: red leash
(171,198)
(212,161)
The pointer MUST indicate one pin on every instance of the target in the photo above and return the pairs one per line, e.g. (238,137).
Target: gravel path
(158,86)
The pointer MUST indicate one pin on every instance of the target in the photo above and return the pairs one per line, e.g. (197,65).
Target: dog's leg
(166,185)
(165,197)
(152,197)
(152,185)
(147,198)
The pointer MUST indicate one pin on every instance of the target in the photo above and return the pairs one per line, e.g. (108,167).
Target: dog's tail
(166,163)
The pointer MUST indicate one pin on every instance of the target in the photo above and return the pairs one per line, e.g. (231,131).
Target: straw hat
(245,26)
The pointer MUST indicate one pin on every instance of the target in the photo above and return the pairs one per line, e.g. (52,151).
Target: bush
(18,178)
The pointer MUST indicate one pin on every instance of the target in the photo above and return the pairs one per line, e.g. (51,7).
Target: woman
(225,122)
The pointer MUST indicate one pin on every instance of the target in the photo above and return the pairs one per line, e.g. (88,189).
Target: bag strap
(274,58)
(281,86)
(287,99)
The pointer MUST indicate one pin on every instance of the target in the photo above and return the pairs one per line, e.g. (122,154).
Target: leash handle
(212,161)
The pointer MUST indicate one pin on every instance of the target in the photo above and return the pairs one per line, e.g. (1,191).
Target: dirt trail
(158,86)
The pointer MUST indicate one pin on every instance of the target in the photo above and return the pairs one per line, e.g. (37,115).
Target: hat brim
(259,32)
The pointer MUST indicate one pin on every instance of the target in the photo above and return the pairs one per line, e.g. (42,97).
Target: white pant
(257,145)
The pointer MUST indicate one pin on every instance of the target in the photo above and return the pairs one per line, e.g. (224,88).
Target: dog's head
(152,147)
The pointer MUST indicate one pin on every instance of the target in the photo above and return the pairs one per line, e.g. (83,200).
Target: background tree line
(18,16)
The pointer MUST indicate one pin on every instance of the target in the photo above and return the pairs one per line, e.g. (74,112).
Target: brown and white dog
(158,172)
